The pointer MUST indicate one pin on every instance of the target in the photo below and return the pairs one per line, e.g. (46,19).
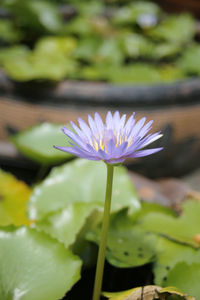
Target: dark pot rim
(180,92)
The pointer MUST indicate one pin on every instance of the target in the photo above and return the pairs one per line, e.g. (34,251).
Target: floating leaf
(170,253)
(14,195)
(190,60)
(129,14)
(49,60)
(7,31)
(135,45)
(34,266)
(81,181)
(137,73)
(186,277)
(65,224)
(37,143)
(175,28)
(149,292)
(37,15)
(183,229)
(127,244)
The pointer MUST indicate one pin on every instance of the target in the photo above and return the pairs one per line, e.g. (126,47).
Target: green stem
(105,225)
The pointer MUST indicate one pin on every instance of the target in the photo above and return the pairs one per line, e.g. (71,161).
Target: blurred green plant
(121,42)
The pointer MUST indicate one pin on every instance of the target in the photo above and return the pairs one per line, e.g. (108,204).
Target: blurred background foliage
(112,41)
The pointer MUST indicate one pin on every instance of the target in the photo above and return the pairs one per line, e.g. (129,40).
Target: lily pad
(34,266)
(169,254)
(14,195)
(186,277)
(149,292)
(81,181)
(129,14)
(127,244)
(38,16)
(65,224)
(7,32)
(190,60)
(175,28)
(183,229)
(37,143)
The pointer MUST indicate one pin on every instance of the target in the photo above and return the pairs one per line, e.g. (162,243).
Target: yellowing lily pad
(14,195)
(149,292)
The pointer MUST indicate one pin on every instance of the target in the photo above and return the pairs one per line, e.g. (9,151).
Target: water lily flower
(113,141)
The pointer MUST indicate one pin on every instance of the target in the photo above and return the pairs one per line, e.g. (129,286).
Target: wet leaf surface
(81,181)
(186,277)
(37,143)
(14,195)
(34,266)
(182,229)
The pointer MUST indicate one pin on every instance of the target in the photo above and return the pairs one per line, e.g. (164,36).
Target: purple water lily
(113,141)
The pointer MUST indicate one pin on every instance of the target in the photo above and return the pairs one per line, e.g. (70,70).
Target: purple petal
(146,128)
(136,129)
(109,121)
(150,139)
(75,138)
(103,154)
(85,128)
(99,122)
(93,126)
(78,131)
(110,147)
(120,150)
(147,152)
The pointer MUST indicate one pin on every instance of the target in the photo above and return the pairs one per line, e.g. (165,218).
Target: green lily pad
(175,28)
(37,143)
(38,15)
(14,195)
(127,244)
(81,181)
(183,229)
(50,59)
(186,277)
(136,45)
(129,14)
(34,266)
(7,32)
(133,73)
(170,253)
(65,224)
(190,60)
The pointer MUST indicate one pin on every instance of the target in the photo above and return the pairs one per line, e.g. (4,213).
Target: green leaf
(14,195)
(34,266)
(37,143)
(136,45)
(51,59)
(127,244)
(65,224)
(170,253)
(129,14)
(7,31)
(133,73)
(81,181)
(186,277)
(190,60)
(183,229)
(175,28)
(37,15)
